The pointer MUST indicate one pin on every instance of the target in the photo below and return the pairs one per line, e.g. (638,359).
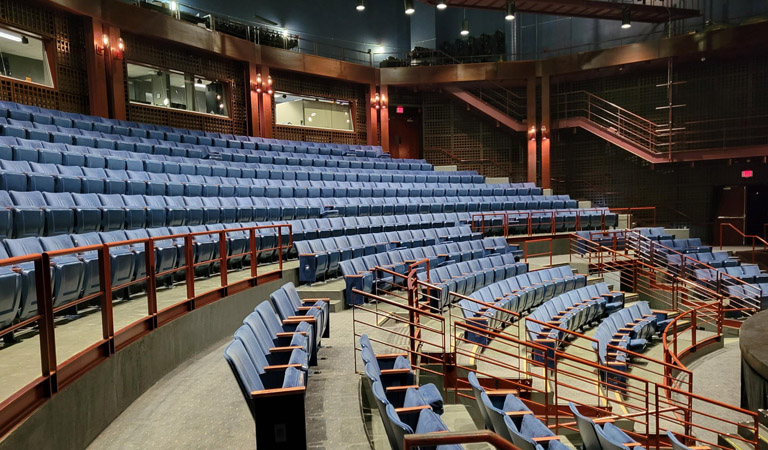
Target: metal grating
(468,136)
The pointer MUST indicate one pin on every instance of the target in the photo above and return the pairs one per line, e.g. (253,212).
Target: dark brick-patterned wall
(70,92)
(169,56)
(301,84)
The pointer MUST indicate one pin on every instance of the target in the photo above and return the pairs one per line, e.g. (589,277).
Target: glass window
(176,90)
(23,56)
(314,112)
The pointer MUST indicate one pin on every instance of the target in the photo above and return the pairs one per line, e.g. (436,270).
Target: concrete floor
(199,405)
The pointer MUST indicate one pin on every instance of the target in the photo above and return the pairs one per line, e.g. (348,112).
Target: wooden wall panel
(66,31)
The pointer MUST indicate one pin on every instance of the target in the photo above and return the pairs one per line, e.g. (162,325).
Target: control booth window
(177,90)
(23,57)
(303,111)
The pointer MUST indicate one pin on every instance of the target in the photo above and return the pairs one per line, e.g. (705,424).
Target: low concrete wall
(74,417)
(497,180)
(446,168)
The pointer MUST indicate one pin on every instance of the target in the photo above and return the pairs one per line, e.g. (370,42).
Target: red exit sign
(746,174)
(399,109)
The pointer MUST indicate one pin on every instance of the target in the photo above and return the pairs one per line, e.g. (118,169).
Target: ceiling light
(174,6)
(166,102)
(360,5)
(464,27)
(379,49)
(409,9)
(626,21)
(10,37)
(441,5)
(510,10)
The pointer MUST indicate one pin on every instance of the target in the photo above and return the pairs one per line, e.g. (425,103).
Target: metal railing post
(105,284)
(189,256)
(223,257)
(45,324)
(149,259)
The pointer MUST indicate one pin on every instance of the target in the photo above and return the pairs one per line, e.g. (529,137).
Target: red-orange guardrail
(755,238)
(57,375)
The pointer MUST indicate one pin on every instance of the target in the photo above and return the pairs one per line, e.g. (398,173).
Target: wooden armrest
(630,444)
(309,308)
(315,300)
(278,391)
(281,366)
(699,447)
(411,409)
(401,388)
(298,319)
(307,254)
(621,334)
(288,348)
(626,329)
(545,438)
(395,371)
(544,340)
(391,355)
(518,413)
(603,420)
(504,392)
(616,363)
(291,333)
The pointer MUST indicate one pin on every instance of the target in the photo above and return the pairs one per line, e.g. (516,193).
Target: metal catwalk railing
(49,322)
(648,395)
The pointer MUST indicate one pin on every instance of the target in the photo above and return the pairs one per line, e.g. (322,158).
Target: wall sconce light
(379,101)
(532,133)
(262,86)
(118,52)
(544,133)
(101,47)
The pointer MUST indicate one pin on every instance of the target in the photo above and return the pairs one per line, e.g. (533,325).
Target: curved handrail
(458,437)
(744,236)
(673,326)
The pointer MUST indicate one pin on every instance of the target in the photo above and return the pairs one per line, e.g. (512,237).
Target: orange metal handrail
(55,376)
(457,437)
(743,236)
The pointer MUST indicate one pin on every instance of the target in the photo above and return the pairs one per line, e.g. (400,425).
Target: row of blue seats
(748,273)
(301,155)
(575,310)
(693,260)
(269,358)
(630,328)
(515,296)
(404,407)
(685,246)
(509,417)
(466,277)
(359,274)
(76,276)
(601,433)
(320,258)
(592,241)
(653,233)
(48,213)
(28,113)
(23,176)
(16,148)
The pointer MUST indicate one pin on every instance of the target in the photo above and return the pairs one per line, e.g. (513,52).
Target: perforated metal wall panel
(70,92)
(470,137)
(300,84)
(169,56)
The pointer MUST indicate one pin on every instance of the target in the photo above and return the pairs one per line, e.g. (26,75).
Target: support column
(546,131)
(97,76)
(253,100)
(115,76)
(265,108)
(384,115)
(371,118)
(531,124)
